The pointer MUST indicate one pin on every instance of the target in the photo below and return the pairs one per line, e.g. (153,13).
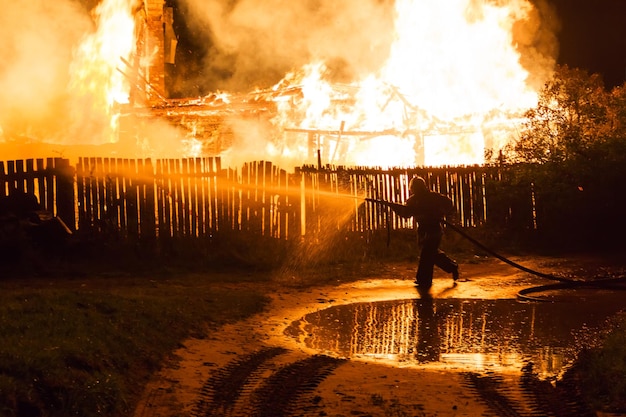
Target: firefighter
(428,209)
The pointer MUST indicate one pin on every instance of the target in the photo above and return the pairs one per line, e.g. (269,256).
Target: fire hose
(562,283)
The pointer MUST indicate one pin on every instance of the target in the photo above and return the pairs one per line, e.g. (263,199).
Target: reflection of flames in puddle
(452,84)
(496,335)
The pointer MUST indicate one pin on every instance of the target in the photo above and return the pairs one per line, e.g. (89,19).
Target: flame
(451,88)
(96,81)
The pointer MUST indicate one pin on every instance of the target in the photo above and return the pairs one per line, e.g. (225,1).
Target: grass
(85,344)
(87,347)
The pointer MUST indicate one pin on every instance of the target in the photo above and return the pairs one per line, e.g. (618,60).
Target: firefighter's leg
(428,255)
(448,264)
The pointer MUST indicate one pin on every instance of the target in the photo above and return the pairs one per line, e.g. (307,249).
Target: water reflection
(474,334)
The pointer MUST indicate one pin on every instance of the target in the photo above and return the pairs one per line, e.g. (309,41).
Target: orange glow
(96,81)
(451,87)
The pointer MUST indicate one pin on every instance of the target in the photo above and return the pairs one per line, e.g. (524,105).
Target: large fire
(96,80)
(451,87)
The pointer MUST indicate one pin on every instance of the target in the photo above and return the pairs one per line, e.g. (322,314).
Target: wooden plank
(130,198)
(202,171)
(224,209)
(3,180)
(312,198)
(148,209)
(303,215)
(11,177)
(266,185)
(199,170)
(87,203)
(180,198)
(245,199)
(249,184)
(221,182)
(49,186)
(80,194)
(101,192)
(235,185)
(93,179)
(281,207)
(293,206)
(19,176)
(168,200)
(64,192)
(120,165)
(231,209)
(388,195)
(193,198)
(186,193)
(29,178)
(210,196)
(114,194)
(173,174)
(161,202)
(40,184)
(253,209)
(260,199)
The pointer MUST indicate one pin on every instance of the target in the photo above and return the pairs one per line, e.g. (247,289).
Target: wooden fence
(51,180)
(182,198)
(197,198)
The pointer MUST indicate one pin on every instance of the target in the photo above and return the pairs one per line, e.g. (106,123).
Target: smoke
(56,76)
(255,43)
(36,49)
(245,44)
(252,43)
(537,42)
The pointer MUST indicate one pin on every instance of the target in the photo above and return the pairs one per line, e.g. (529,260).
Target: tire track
(287,391)
(250,386)
(220,393)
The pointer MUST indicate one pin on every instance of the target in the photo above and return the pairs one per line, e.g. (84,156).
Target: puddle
(464,334)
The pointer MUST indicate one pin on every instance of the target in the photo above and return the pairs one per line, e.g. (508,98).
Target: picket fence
(197,197)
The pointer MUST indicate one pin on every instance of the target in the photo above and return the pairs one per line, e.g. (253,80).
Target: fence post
(147,206)
(65,192)
(3,180)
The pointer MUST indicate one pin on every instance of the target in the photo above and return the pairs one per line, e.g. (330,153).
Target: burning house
(452,84)
(306,116)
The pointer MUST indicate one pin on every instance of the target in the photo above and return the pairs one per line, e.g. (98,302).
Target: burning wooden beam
(370,133)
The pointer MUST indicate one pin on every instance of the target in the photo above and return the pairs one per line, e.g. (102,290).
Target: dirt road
(252,368)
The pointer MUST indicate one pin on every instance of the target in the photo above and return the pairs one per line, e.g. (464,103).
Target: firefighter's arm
(400,209)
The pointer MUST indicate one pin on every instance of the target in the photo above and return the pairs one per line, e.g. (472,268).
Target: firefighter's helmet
(417,185)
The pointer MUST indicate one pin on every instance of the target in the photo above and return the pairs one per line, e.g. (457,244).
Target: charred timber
(386,132)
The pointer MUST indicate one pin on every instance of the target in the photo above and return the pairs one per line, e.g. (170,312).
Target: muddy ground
(252,368)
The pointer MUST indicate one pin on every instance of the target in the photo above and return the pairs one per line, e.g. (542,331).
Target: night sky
(593,37)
